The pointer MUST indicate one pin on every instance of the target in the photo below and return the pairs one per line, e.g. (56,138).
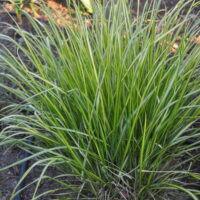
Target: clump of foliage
(109,103)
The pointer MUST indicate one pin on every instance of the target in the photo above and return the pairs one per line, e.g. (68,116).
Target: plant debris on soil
(9,178)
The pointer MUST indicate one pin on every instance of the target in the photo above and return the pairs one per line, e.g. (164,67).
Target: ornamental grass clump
(110,103)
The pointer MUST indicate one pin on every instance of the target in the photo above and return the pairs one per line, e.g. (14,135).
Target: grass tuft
(110,104)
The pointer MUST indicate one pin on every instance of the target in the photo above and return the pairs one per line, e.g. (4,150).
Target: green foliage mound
(110,104)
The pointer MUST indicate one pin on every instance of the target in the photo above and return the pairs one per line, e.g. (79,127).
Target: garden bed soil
(8,155)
